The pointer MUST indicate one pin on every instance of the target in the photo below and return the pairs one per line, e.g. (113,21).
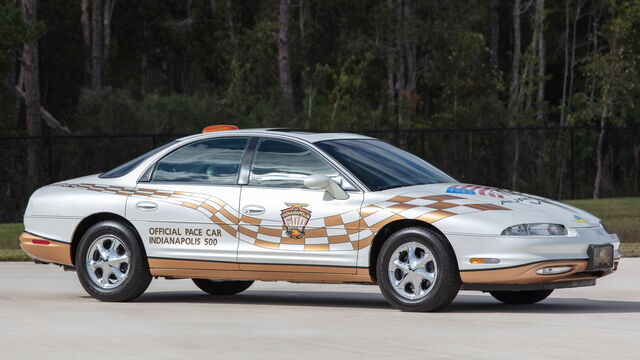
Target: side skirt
(266,272)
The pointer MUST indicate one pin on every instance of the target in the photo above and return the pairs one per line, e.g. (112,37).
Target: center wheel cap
(412,270)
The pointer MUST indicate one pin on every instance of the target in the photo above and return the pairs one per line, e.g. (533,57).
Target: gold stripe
(316,247)
(228,228)
(333,220)
(434,216)
(250,220)
(190,205)
(228,215)
(267,244)
(484,207)
(316,232)
(339,239)
(441,205)
(191,264)
(291,241)
(270,231)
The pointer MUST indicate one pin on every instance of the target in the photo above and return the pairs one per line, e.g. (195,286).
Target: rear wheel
(217,287)
(521,297)
(417,270)
(111,264)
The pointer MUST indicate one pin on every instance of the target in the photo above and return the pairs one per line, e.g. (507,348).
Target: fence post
(571,167)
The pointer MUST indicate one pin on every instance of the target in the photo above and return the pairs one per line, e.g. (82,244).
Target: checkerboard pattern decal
(352,230)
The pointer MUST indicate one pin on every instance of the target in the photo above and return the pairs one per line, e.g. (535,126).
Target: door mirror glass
(317,182)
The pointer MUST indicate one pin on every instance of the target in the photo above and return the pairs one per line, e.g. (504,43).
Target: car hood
(524,208)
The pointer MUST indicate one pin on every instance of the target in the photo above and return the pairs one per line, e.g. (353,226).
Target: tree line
(124,66)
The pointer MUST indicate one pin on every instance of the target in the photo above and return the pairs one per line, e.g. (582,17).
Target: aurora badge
(295,218)
(578,219)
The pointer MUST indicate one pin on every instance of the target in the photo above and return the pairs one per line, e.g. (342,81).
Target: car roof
(305,135)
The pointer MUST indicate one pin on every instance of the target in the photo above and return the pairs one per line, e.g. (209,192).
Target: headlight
(536,230)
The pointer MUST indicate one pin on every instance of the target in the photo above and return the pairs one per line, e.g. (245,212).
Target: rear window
(128,166)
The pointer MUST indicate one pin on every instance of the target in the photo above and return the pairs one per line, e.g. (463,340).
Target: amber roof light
(214,128)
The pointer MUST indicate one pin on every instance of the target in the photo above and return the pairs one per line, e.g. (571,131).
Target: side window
(280,163)
(214,161)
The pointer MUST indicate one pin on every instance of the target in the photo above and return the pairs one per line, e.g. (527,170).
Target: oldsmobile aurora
(228,207)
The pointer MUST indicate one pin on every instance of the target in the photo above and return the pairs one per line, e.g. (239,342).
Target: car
(228,207)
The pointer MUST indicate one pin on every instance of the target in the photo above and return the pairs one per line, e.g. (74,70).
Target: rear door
(284,223)
(188,209)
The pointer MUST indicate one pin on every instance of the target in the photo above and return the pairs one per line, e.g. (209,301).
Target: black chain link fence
(555,162)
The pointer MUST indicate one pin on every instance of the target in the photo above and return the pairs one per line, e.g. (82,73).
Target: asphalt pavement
(45,314)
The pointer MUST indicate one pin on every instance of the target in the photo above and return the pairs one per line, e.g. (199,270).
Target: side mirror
(324,182)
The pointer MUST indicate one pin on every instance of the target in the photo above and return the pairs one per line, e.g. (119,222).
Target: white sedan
(228,207)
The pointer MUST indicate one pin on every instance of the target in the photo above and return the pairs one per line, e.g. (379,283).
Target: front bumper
(521,256)
(526,276)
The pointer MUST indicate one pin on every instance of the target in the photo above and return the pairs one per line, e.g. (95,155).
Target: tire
(111,262)
(214,287)
(431,277)
(521,297)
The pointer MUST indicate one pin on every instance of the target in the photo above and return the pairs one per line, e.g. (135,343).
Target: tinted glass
(284,164)
(382,166)
(215,161)
(127,167)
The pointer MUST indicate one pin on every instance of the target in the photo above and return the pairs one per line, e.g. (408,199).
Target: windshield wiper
(391,187)
(397,186)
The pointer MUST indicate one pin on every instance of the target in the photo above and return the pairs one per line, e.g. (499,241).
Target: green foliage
(334,96)
(114,111)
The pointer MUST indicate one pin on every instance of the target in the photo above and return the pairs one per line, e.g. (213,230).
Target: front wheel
(111,264)
(217,287)
(417,270)
(521,297)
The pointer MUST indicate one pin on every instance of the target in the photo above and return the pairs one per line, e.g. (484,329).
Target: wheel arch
(93,219)
(386,231)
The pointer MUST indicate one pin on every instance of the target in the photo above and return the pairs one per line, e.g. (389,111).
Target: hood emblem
(578,219)
(295,218)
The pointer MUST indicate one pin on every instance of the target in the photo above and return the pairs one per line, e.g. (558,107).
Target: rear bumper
(46,250)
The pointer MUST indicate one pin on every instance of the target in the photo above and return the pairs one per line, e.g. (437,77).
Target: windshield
(382,166)
(127,167)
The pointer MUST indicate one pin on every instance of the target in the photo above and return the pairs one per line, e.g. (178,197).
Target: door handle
(253,210)
(146,206)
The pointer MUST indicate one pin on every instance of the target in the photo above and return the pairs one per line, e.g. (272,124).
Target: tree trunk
(97,45)
(514,102)
(32,101)
(494,36)
(302,16)
(572,63)
(85,21)
(232,28)
(541,61)
(109,5)
(599,158)
(284,66)
(410,46)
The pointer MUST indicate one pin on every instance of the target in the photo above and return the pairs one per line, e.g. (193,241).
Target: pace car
(228,207)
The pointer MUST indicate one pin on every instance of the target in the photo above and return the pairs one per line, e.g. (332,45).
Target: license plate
(600,256)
